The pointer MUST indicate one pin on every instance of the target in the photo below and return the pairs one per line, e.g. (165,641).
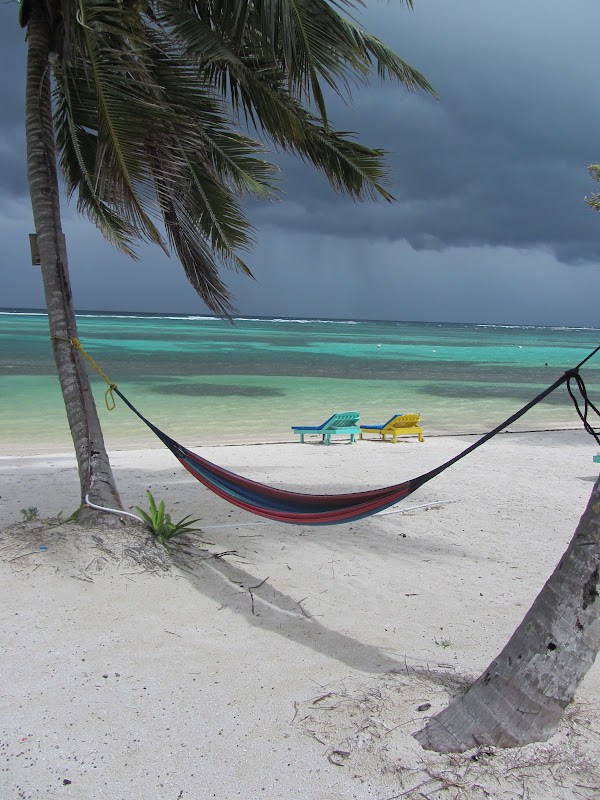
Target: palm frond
(77,147)
(197,261)
(389,64)
(257,82)
(205,201)
(149,102)
(350,168)
(200,124)
(307,40)
(125,98)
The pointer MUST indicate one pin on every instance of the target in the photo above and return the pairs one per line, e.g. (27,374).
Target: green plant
(29,514)
(160,523)
(58,520)
(443,643)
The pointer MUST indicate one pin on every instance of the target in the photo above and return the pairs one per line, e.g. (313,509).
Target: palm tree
(142,104)
(521,696)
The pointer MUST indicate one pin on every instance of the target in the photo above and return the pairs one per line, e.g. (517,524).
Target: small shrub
(30,514)
(160,524)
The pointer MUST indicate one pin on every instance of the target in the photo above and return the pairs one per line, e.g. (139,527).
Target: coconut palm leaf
(148,102)
(263,94)
(77,152)
(305,39)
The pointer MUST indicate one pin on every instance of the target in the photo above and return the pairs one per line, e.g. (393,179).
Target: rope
(117,511)
(109,397)
(587,404)
(587,358)
(513,418)
(569,376)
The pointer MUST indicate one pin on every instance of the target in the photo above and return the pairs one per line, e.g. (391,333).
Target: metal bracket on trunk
(35,253)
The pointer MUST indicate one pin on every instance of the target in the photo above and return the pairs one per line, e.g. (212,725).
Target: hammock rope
(300,508)
(587,405)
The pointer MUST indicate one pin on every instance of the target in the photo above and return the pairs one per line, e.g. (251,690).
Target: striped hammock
(327,509)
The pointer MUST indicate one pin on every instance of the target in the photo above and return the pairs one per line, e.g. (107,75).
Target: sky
(489,224)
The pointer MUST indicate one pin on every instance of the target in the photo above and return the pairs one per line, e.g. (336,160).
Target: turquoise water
(205,381)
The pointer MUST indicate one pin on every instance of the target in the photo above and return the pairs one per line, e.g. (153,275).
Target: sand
(260,660)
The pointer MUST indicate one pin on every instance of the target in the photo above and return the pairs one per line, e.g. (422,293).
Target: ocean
(205,381)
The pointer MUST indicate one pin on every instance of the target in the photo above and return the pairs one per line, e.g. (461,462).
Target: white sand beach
(263,660)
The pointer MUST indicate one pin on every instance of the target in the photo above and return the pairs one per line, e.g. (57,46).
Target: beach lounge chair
(398,425)
(342,423)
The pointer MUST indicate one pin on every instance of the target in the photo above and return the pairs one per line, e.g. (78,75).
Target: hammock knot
(583,405)
(75,343)
(109,397)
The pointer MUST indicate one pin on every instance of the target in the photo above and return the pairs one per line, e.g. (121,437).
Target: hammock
(327,509)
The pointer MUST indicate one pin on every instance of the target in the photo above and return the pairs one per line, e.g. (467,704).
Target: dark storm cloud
(12,104)
(13,181)
(501,159)
(492,176)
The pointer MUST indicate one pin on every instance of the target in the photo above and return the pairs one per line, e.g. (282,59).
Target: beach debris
(406,510)
(301,607)
(337,757)
(321,697)
(225,553)
(250,588)
(368,726)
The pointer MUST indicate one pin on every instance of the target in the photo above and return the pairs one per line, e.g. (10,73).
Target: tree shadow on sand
(84,554)
(263,606)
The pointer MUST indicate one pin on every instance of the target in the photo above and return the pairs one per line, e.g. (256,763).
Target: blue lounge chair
(342,423)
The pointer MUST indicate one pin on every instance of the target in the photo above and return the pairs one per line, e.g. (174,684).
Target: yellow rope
(109,397)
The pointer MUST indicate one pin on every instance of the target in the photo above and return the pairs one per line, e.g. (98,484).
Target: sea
(204,380)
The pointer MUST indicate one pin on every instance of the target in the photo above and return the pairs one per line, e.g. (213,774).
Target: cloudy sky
(490,222)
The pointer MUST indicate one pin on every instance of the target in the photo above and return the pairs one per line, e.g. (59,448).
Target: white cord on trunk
(117,511)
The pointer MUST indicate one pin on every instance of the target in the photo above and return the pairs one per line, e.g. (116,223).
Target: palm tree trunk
(521,696)
(95,472)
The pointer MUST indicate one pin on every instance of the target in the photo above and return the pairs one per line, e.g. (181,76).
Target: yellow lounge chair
(398,425)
